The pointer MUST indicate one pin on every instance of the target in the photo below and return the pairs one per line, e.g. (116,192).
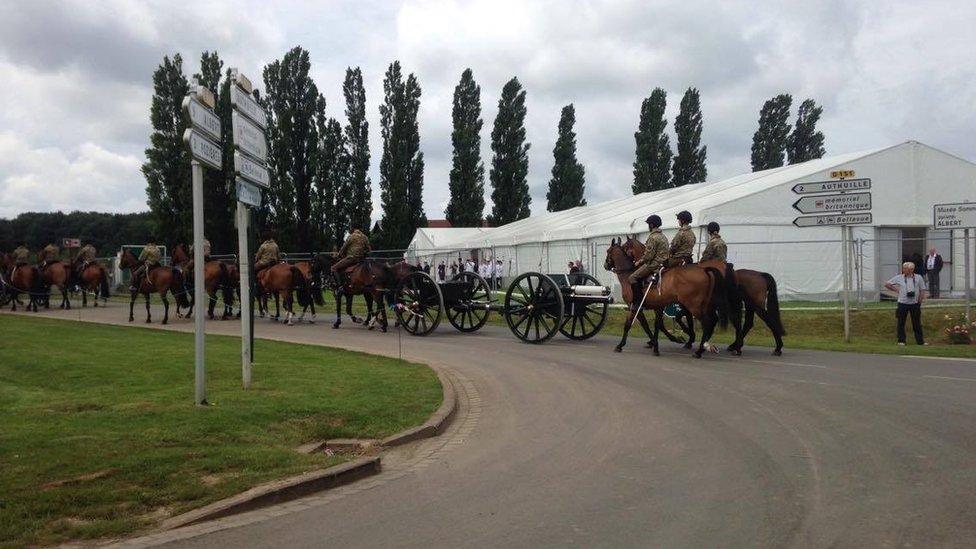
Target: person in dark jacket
(933,266)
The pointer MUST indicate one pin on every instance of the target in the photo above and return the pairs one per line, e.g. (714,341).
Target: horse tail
(772,305)
(103,283)
(38,287)
(178,287)
(300,285)
(719,297)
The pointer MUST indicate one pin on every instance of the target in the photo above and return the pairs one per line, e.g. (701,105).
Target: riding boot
(637,290)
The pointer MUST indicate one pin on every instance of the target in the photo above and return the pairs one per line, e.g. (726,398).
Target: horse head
(179,254)
(633,247)
(128,260)
(617,258)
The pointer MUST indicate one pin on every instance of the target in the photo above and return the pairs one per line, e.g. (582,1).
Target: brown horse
(214,278)
(21,279)
(313,281)
(91,278)
(699,290)
(371,278)
(159,279)
(56,274)
(281,280)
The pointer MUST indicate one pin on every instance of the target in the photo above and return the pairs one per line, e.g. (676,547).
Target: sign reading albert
(954,216)
(832,186)
(845,202)
(201,117)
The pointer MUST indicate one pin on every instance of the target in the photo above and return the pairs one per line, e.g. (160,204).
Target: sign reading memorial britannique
(849,208)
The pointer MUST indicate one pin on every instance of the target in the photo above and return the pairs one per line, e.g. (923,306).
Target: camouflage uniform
(150,258)
(655,256)
(21,255)
(49,254)
(86,254)
(715,249)
(206,250)
(267,255)
(353,251)
(682,247)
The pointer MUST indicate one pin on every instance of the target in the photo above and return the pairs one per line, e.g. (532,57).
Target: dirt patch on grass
(87,477)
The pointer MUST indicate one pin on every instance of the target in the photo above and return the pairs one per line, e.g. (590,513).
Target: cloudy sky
(76,77)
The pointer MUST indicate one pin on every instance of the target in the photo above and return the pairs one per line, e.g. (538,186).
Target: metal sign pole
(845,260)
(243,220)
(967,278)
(199,292)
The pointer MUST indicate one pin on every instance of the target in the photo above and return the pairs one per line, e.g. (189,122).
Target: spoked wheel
(583,319)
(419,304)
(463,316)
(533,307)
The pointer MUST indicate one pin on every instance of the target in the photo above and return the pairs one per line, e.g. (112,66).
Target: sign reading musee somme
(844,202)
(954,216)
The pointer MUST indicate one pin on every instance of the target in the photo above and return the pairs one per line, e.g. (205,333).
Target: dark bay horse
(90,279)
(283,281)
(215,277)
(21,279)
(56,274)
(371,278)
(313,279)
(699,290)
(160,279)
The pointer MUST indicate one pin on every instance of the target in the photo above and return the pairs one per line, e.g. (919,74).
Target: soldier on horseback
(716,248)
(206,255)
(86,256)
(267,255)
(353,251)
(150,257)
(21,255)
(654,258)
(49,254)
(683,243)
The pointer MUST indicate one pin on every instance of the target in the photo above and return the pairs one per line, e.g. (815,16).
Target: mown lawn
(101,438)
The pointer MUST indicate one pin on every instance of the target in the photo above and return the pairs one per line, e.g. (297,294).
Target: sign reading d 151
(203,149)
(954,216)
(248,137)
(848,202)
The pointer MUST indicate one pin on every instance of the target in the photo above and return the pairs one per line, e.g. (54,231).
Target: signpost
(248,121)
(204,126)
(843,208)
(961,215)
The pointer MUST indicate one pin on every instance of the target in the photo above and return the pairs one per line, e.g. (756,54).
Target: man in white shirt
(911,293)
(933,266)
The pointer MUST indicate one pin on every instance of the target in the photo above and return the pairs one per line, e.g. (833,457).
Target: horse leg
(687,324)
(778,351)
(132,304)
(277,315)
(708,326)
(369,320)
(338,299)
(747,324)
(64,299)
(627,325)
(213,303)
(381,312)
(84,299)
(162,296)
(148,314)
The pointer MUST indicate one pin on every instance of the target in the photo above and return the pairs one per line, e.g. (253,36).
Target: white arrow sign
(954,216)
(247,105)
(248,137)
(202,118)
(253,171)
(832,186)
(203,149)
(838,219)
(248,194)
(850,202)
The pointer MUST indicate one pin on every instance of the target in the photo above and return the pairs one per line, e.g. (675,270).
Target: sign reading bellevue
(954,216)
(836,219)
(248,194)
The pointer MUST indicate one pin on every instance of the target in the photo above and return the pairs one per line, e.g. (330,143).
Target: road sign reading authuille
(203,149)
(248,106)
(202,118)
(248,194)
(248,137)
(253,171)
(834,219)
(824,203)
(832,186)
(961,215)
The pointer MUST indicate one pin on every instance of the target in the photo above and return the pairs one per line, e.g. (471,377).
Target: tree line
(106,231)
(319,167)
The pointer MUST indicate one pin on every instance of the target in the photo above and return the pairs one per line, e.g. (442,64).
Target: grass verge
(101,437)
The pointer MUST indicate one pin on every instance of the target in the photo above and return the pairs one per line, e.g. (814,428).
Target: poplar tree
(806,142)
(355,204)
(566,188)
(331,184)
(510,160)
(689,162)
(402,164)
(769,141)
(219,191)
(167,166)
(652,163)
(467,181)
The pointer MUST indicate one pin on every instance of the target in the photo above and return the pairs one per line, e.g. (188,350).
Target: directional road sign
(248,137)
(954,216)
(248,194)
(847,202)
(247,105)
(203,149)
(201,117)
(833,219)
(832,186)
(253,171)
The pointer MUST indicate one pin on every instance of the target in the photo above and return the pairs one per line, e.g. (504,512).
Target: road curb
(288,489)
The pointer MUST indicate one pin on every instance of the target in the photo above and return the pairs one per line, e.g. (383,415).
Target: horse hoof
(657,352)
(777,352)
(164,322)
(687,345)
(649,344)
(335,326)
(698,354)
(148,321)
(617,349)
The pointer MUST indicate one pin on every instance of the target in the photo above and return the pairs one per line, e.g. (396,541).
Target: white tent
(756,214)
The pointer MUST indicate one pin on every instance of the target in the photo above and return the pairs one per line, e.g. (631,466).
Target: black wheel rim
(462,315)
(418,304)
(584,320)
(533,308)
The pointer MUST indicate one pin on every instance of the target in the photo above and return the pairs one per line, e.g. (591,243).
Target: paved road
(569,443)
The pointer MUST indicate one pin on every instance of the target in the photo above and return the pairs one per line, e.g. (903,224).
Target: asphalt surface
(568,443)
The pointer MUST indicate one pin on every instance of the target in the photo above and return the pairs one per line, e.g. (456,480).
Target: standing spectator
(469,265)
(441,271)
(499,272)
(426,267)
(572,267)
(911,294)
(919,263)
(454,269)
(933,266)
